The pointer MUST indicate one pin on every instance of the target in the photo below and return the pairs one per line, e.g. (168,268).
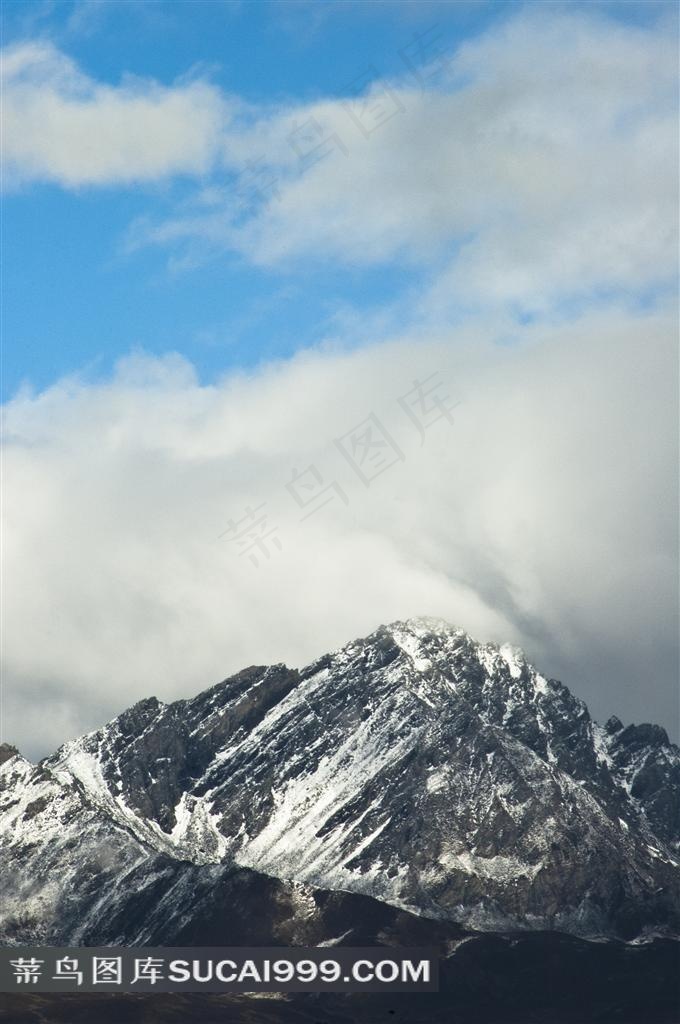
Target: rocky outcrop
(416,766)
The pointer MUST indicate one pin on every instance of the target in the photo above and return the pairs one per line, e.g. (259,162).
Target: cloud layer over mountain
(542,515)
(528,184)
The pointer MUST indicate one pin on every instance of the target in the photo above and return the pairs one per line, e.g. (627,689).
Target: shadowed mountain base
(510,979)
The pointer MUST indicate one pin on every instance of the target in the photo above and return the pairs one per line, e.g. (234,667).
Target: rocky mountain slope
(416,767)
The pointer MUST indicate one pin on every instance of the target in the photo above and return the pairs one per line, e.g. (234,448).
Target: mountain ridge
(416,766)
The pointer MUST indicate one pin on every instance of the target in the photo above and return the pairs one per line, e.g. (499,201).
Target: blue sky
(236,233)
(76,296)
(96,301)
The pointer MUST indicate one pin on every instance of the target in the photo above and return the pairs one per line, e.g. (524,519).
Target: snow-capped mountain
(416,766)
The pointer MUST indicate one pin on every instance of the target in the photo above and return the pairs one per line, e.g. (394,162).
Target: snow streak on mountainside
(416,766)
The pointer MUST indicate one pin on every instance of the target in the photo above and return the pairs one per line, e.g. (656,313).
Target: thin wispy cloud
(540,157)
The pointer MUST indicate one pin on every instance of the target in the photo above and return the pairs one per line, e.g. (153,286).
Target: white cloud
(544,516)
(59,125)
(542,166)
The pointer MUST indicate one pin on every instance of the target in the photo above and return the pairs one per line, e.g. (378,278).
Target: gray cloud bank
(545,515)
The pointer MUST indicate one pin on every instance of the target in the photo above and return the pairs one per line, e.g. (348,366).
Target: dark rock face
(415,767)
(154,753)
(7,751)
(647,766)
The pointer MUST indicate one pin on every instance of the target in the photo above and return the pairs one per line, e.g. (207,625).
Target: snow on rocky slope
(416,766)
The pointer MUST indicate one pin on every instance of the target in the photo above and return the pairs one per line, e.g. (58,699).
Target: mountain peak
(425,637)
(8,751)
(425,625)
(415,765)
